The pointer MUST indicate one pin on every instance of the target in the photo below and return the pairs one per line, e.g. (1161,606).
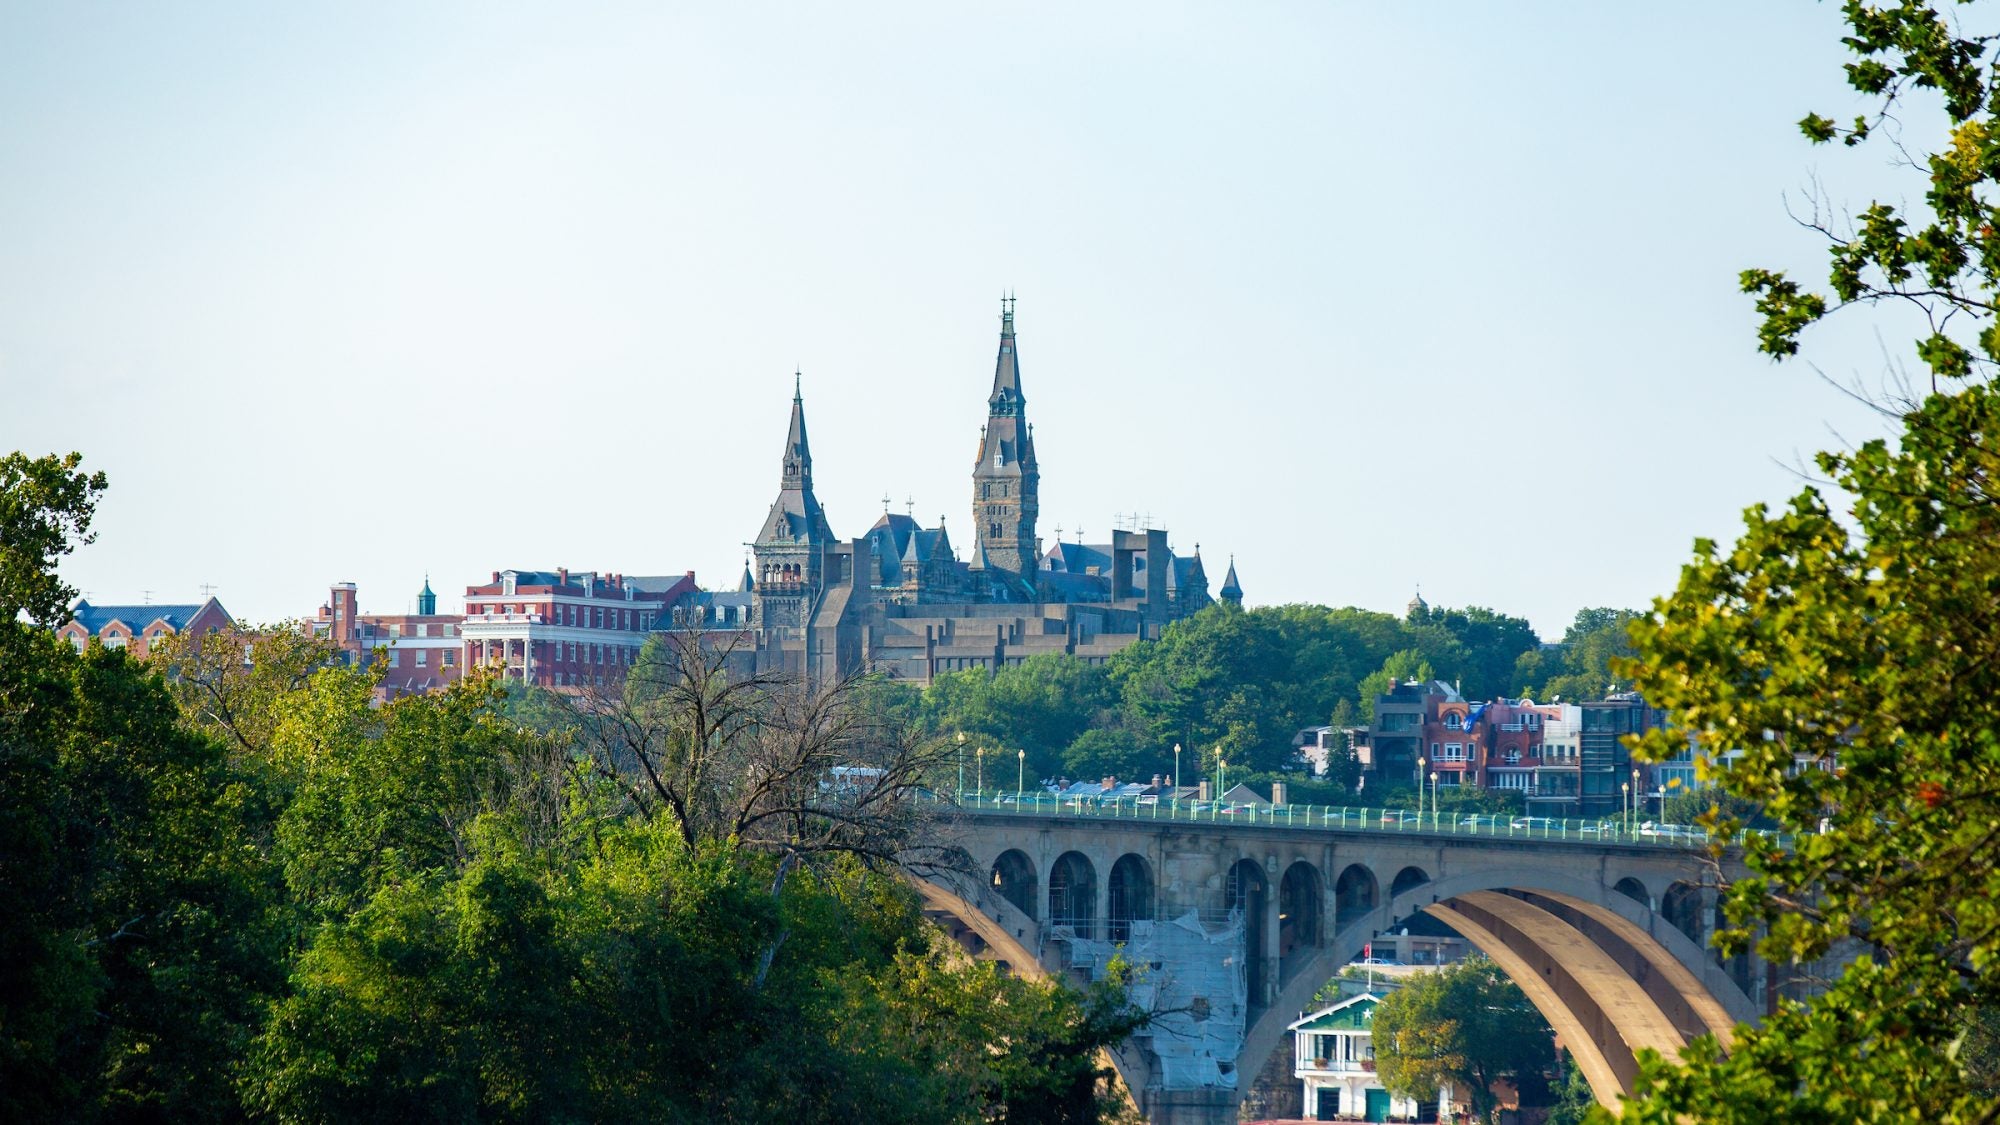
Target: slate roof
(1229,583)
(659,583)
(135,617)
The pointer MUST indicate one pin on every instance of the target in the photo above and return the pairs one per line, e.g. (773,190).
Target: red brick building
(136,628)
(422,651)
(560,629)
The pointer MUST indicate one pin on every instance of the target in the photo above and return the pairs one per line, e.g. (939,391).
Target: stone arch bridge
(1607,936)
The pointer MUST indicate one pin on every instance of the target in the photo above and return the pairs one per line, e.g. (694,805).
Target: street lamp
(1221,776)
(1020,772)
(1434,799)
(1626,788)
(961,765)
(1421,763)
(979,761)
(1177,769)
(1638,794)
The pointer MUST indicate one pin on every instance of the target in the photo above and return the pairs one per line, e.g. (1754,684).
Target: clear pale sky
(1370,295)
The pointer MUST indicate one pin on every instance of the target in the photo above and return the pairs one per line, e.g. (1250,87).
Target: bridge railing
(1624,831)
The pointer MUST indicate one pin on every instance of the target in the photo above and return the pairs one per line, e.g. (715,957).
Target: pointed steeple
(798,454)
(427,601)
(1006,398)
(1232,590)
(748,584)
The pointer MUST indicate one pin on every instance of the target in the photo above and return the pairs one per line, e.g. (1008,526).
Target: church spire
(1232,591)
(798,454)
(1005,478)
(1006,399)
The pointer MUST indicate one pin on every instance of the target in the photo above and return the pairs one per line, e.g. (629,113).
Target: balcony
(1337,1066)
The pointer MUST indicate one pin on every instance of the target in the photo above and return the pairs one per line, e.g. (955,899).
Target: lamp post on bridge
(1421,763)
(961,765)
(1625,787)
(1177,770)
(1221,776)
(1020,773)
(1434,800)
(1638,794)
(979,760)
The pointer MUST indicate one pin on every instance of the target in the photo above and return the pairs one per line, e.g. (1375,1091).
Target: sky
(1373,297)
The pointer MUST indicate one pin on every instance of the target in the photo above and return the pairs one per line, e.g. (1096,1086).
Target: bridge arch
(1602,967)
(1354,895)
(1073,893)
(1249,893)
(1131,897)
(1013,875)
(1301,894)
(1633,889)
(1408,879)
(1681,907)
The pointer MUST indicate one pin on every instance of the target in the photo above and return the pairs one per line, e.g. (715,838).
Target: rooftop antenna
(910,506)
(208,588)
(146,597)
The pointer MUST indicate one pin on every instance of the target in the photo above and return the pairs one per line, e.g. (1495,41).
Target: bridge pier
(1204,1106)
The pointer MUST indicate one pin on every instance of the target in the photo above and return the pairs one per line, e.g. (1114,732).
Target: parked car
(1378,963)
(1401,816)
(1484,821)
(1545,823)
(1673,831)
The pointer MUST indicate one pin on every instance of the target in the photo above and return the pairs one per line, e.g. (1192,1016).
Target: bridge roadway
(1605,929)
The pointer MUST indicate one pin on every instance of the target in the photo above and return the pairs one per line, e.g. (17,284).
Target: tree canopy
(254,891)
(1841,651)
(1465,1025)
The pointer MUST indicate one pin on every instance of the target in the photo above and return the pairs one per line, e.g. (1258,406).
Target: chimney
(1201,793)
(496,576)
(562,575)
(1278,794)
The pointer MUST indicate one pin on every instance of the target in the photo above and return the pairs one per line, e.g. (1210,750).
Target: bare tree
(780,764)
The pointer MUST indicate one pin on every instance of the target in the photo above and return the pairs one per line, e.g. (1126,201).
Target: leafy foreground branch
(1849,661)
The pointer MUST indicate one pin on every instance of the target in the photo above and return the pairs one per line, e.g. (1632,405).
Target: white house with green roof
(1333,1054)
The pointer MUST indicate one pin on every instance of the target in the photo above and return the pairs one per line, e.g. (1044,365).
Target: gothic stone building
(900,599)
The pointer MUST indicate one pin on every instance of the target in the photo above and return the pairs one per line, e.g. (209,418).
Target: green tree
(137,947)
(1465,1024)
(1585,664)
(1854,637)
(1487,647)
(1575,1102)
(1408,664)
(46,505)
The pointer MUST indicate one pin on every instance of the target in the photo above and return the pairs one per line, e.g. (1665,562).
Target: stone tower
(1006,482)
(790,548)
